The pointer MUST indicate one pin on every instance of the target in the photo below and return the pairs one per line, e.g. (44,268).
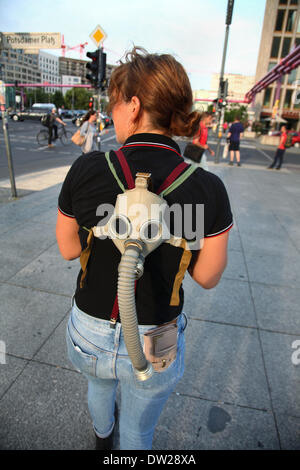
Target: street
(28,157)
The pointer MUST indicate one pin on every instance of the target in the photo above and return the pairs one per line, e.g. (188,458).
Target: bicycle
(62,134)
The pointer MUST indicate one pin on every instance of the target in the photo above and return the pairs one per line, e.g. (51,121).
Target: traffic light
(93,67)
(222,103)
(91,103)
(214,108)
(97,76)
(229,12)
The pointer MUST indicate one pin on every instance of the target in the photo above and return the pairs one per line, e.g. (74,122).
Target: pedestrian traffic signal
(93,67)
(91,103)
(221,103)
(97,67)
(214,108)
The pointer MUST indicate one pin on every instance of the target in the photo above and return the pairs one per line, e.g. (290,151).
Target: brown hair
(163,88)
(87,116)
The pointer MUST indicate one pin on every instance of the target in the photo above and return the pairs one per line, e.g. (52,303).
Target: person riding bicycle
(51,118)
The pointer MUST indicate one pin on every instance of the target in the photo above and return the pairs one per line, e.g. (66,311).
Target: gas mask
(137,228)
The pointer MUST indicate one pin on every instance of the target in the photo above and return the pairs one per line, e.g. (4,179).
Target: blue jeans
(99,352)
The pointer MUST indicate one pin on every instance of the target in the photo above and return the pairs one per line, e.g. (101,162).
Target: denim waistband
(98,324)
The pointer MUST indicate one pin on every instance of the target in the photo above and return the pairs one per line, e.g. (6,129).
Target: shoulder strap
(126,169)
(175,178)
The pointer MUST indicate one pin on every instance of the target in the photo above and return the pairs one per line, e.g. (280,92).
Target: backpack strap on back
(180,173)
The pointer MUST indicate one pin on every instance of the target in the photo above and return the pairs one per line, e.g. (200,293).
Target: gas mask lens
(120,227)
(150,231)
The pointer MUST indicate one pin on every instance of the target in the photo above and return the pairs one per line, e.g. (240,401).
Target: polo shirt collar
(153,139)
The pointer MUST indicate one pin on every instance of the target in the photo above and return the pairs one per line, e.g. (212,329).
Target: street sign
(98,35)
(31,40)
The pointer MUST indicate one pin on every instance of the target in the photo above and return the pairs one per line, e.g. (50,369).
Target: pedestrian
(234,134)
(278,158)
(52,118)
(61,111)
(88,129)
(151,99)
(200,139)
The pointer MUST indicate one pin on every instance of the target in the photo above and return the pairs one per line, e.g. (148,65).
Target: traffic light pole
(221,110)
(7,144)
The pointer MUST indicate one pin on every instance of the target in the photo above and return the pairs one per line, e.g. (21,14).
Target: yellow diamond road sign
(98,35)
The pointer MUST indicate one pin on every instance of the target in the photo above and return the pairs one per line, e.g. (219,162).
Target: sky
(191,30)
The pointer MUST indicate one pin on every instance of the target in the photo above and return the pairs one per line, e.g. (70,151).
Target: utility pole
(7,141)
(222,84)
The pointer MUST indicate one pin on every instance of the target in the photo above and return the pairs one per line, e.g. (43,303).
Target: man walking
(280,150)
(235,133)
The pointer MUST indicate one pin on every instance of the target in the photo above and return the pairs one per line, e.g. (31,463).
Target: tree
(235,111)
(58,99)
(77,98)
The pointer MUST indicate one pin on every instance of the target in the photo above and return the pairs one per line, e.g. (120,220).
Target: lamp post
(222,87)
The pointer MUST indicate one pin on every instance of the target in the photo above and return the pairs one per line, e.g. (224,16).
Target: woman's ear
(135,107)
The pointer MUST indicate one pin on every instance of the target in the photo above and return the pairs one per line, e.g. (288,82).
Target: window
(283,2)
(279,20)
(292,76)
(297,42)
(267,98)
(290,20)
(287,99)
(294,2)
(271,65)
(298,29)
(275,46)
(286,47)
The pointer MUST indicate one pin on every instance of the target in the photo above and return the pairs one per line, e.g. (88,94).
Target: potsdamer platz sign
(30,42)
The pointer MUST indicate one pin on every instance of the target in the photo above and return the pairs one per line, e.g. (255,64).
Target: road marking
(108,138)
(265,154)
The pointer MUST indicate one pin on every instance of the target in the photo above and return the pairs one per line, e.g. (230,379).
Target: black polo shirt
(90,182)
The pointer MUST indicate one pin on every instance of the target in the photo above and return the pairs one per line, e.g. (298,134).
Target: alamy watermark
(181,221)
(2,352)
(296,354)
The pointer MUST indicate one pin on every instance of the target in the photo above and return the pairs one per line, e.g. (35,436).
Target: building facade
(69,80)
(77,68)
(238,84)
(280,34)
(49,67)
(17,66)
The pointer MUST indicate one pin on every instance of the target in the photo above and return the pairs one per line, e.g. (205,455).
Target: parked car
(67,114)
(35,112)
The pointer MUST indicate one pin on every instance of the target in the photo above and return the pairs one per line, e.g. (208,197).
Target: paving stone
(27,318)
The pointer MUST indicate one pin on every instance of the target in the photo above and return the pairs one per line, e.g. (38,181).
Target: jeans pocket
(81,358)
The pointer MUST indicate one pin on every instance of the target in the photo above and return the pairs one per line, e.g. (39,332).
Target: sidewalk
(241,387)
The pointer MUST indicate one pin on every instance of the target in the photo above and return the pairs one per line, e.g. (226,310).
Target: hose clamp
(145,374)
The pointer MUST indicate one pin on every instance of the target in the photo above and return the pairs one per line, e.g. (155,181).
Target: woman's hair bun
(185,124)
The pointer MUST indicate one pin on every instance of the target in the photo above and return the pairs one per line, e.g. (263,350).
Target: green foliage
(58,99)
(77,98)
(236,111)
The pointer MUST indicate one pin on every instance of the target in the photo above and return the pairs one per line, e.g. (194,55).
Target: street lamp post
(221,93)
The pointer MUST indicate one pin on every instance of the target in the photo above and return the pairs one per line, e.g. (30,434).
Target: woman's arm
(211,261)
(67,236)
